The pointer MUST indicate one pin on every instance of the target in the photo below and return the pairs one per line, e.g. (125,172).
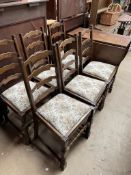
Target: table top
(109,38)
(125,18)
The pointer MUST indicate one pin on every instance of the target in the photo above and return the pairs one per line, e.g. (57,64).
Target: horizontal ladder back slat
(39,70)
(69,52)
(10,78)
(87,42)
(38,56)
(7,55)
(57,34)
(35,33)
(34,44)
(5,42)
(85,52)
(66,42)
(65,66)
(8,67)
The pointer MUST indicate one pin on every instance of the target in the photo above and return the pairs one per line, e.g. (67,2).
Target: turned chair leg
(88,128)
(63,162)
(101,105)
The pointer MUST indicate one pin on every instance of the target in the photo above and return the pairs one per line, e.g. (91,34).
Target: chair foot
(110,89)
(3,120)
(101,105)
(63,164)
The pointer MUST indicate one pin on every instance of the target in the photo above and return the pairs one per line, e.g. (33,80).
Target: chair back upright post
(85,49)
(70,47)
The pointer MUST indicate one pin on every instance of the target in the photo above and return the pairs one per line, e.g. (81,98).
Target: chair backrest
(68,47)
(56,33)
(33,41)
(27,77)
(9,66)
(85,48)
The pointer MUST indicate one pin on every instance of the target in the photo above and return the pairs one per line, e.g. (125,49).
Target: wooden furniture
(108,48)
(60,115)
(103,37)
(12,88)
(3,112)
(89,90)
(124,20)
(95,68)
(33,41)
(56,33)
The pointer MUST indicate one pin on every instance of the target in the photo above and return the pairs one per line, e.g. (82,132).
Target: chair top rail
(35,33)
(55,25)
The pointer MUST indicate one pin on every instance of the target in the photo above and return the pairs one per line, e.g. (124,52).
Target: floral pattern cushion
(18,97)
(70,58)
(63,112)
(51,72)
(86,87)
(99,69)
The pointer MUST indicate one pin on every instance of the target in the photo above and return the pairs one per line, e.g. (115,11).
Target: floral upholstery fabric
(63,112)
(51,72)
(70,58)
(99,69)
(18,97)
(86,87)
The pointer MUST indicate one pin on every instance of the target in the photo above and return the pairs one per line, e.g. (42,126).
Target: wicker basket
(110,17)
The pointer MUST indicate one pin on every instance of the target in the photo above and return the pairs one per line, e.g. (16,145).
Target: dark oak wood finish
(83,126)
(100,102)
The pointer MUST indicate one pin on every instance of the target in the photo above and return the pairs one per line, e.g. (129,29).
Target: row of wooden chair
(57,85)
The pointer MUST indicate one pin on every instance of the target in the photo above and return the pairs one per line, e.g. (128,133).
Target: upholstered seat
(71,57)
(51,72)
(63,112)
(18,97)
(101,70)
(86,87)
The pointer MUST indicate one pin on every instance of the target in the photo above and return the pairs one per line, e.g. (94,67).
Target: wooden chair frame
(28,77)
(10,78)
(100,102)
(84,51)
(83,126)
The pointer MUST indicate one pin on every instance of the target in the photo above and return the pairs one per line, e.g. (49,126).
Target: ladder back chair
(89,90)
(37,91)
(13,92)
(59,114)
(95,67)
